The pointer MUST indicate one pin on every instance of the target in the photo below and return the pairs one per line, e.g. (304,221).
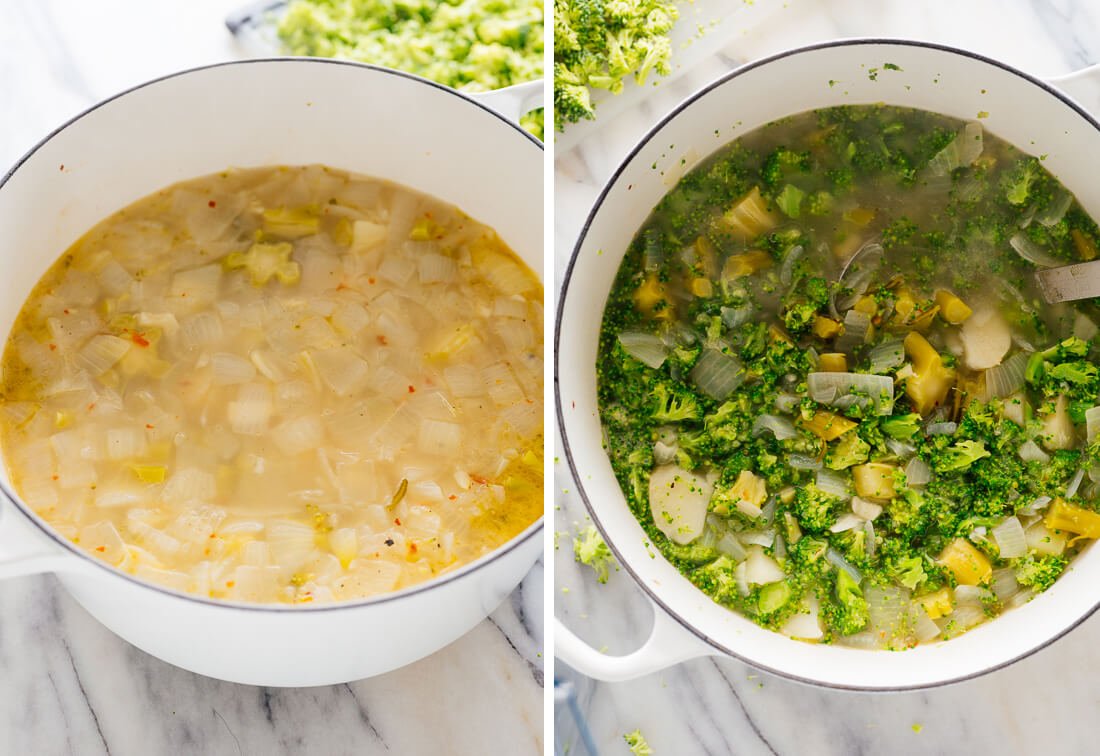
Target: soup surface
(830,390)
(281,384)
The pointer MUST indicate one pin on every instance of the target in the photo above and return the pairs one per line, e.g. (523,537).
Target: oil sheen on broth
(281,384)
(830,391)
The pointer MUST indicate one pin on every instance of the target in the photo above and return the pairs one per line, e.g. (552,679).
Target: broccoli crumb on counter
(637,743)
(599,43)
(589,548)
(472,45)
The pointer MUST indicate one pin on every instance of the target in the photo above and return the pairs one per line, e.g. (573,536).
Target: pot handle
(512,102)
(24,550)
(1083,86)
(668,644)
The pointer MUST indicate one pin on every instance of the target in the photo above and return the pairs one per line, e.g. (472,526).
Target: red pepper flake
(55,477)
(370,280)
(213,535)
(149,426)
(382,340)
(229,583)
(66,311)
(212,203)
(91,406)
(53,347)
(139,339)
(396,520)
(412,548)
(100,548)
(452,497)
(412,390)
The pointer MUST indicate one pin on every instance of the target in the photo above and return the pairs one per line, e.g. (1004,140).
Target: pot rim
(610,184)
(505,548)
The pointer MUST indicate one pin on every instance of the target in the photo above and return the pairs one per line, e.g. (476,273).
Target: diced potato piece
(745,264)
(1015,408)
(751,488)
(875,481)
(825,328)
(1043,541)
(678,501)
(706,256)
(952,309)
(749,217)
(702,287)
(1072,519)
(930,382)
(833,362)
(1086,250)
(970,566)
(826,425)
(650,294)
(1057,431)
(986,337)
(867,305)
(860,216)
(937,604)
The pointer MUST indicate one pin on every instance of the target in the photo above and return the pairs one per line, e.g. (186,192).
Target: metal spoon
(1069,282)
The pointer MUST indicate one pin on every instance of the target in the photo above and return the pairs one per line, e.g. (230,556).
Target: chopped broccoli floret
(637,743)
(717,580)
(1039,572)
(803,303)
(849,450)
(589,548)
(1019,183)
(901,427)
(848,613)
(790,200)
(959,456)
(674,404)
(814,508)
(781,163)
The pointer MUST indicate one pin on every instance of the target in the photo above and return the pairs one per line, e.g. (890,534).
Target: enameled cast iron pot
(292,112)
(1032,114)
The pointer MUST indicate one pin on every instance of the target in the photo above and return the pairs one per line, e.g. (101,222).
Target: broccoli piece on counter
(637,743)
(589,548)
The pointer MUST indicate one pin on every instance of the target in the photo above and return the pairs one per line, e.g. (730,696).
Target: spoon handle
(1070,282)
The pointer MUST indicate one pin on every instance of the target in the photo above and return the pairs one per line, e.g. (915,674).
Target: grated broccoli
(599,43)
(637,743)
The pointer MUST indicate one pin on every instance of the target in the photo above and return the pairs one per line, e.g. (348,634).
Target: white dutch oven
(1021,109)
(284,111)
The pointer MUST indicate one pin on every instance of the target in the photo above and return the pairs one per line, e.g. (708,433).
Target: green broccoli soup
(831,392)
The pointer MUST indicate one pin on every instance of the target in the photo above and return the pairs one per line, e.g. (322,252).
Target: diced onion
(1056,210)
(717,374)
(786,270)
(1092,423)
(941,429)
(1010,538)
(924,628)
(917,472)
(846,521)
(729,545)
(740,577)
(644,347)
(763,538)
(900,449)
(832,388)
(869,543)
(341,369)
(102,352)
(780,427)
(735,317)
(1006,378)
(865,510)
(1083,327)
(1071,489)
(857,325)
(832,483)
(231,369)
(1030,251)
(1030,452)
(837,560)
(804,624)
(804,462)
(886,356)
(435,268)
(761,569)
(961,151)
(1004,584)
(297,435)
(786,402)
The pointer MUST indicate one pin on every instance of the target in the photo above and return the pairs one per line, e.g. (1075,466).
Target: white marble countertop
(67,685)
(1044,704)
